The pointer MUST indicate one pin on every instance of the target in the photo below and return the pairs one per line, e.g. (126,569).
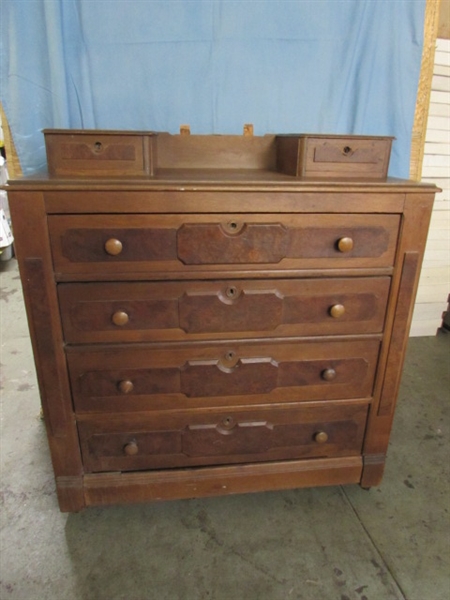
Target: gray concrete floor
(335,543)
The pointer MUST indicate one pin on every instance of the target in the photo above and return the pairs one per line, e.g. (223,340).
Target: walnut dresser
(216,314)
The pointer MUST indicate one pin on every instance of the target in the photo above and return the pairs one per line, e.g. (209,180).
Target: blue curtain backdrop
(287,66)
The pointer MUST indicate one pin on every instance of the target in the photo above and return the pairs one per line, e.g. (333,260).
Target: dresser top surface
(218,179)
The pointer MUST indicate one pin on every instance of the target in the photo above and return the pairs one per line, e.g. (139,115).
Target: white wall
(434,286)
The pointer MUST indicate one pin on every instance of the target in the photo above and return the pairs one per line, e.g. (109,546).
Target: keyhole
(229,355)
(98,146)
(228,424)
(233,227)
(347,150)
(231,292)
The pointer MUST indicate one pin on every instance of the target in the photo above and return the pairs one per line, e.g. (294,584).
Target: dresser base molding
(127,488)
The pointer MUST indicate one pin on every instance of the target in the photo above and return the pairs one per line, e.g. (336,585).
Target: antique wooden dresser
(216,314)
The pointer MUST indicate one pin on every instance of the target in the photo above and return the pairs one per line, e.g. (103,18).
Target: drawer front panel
(75,153)
(126,312)
(224,436)
(152,243)
(127,378)
(345,157)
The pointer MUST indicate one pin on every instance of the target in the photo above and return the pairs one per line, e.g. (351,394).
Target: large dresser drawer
(127,378)
(224,436)
(127,312)
(116,244)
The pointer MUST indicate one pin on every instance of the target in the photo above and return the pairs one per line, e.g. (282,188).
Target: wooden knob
(126,386)
(113,247)
(328,374)
(120,318)
(321,437)
(131,448)
(345,244)
(337,311)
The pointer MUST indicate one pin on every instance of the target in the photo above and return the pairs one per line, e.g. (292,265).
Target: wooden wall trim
(424,89)
(444,20)
(14,168)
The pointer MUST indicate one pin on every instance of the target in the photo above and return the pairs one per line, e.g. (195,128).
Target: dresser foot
(373,468)
(70,493)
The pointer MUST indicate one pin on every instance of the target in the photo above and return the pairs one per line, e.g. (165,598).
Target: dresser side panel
(35,264)
(413,235)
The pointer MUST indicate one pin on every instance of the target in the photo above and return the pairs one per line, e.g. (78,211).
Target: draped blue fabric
(287,66)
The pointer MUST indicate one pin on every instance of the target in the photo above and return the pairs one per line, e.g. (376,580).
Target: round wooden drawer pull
(337,311)
(329,374)
(113,247)
(120,318)
(126,386)
(345,244)
(131,449)
(321,437)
